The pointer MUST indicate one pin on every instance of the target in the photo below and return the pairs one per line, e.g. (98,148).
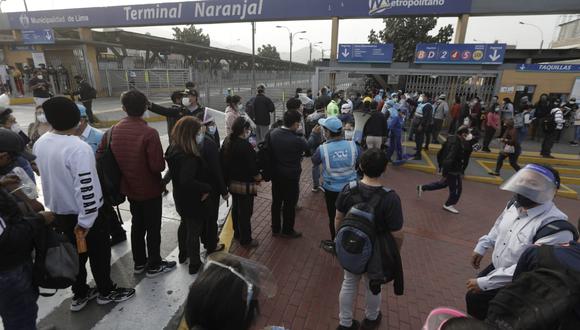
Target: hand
(10,182)
(80,232)
(476,260)
(317,129)
(48,217)
(204,196)
(472,286)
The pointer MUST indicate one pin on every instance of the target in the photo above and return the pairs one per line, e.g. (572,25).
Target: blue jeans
(315,176)
(522,134)
(18,307)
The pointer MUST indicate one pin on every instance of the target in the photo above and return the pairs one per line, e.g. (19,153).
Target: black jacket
(288,148)
(239,160)
(376,125)
(211,171)
(263,106)
(173,113)
(454,157)
(18,232)
(85,91)
(187,185)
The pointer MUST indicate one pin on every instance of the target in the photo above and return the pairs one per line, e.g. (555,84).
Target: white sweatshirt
(69,177)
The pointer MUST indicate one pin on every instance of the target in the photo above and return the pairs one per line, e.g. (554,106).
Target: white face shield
(534,182)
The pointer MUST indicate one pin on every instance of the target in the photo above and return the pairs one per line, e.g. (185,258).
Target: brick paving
(435,254)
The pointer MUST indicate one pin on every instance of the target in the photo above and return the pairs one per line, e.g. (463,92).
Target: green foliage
(406,32)
(268,51)
(191,35)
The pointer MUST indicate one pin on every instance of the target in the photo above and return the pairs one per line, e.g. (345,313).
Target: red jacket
(138,151)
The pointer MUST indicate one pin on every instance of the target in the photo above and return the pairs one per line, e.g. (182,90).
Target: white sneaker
(451,209)
(419,191)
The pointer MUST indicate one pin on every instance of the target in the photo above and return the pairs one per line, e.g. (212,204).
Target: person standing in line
(39,127)
(322,100)
(259,109)
(507,112)
(452,162)
(333,109)
(375,130)
(422,124)
(455,115)
(72,191)
(338,159)
(576,124)
(139,154)
(553,123)
(242,176)
(288,148)
(232,111)
(541,113)
(492,123)
(185,163)
(439,114)
(396,135)
(86,93)
(388,217)
(511,148)
(311,123)
(174,112)
(17,76)
(40,88)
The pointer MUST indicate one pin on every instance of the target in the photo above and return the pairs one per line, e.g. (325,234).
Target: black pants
(548,143)
(513,158)
(437,126)
(146,222)
(242,210)
(478,302)
(209,236)
(98,253)
(427,136)
(489,134)
(419,138)
(331,197)
(453,181)
(188,237)
(453,126)
(89,105)
(115,222)
(285,194)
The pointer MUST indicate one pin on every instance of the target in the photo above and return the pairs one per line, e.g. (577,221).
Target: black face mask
(522,201)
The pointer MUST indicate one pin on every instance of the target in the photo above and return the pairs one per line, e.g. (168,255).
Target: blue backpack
(356,236)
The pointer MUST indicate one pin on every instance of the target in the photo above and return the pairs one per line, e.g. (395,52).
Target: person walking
(455,115)
(232,111)
(189,192)
(452,162)
(553,123)
(243,178)
(440,112)
(139,154)
(492,122)
(338,159)
(259,109)
(86,94)
(511,148)
(375,130)
(507,112)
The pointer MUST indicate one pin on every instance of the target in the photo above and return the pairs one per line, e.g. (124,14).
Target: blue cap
(332,124)
(82,110)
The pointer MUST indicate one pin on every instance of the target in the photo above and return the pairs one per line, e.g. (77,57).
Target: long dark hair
(233,100)
(238,128)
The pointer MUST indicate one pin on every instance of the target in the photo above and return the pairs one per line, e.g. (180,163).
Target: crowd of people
(349,139)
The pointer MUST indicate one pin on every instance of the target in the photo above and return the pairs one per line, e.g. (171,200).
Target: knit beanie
(61,112)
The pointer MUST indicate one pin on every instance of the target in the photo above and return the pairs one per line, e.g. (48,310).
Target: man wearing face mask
(8,121)
(452,160)
(531,217)
(40,87)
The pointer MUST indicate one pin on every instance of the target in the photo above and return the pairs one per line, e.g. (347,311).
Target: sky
(237,36)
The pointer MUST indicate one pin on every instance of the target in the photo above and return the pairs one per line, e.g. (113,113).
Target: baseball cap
(332,124)
(11,142)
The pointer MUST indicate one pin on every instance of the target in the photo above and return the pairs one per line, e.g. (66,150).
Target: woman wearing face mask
(184,161)
(39,127)
(242,177)
(39,86)
(511,148)
(232,111)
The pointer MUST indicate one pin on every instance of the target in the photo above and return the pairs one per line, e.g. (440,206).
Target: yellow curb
(227,234)
(567,192)
(429,168)
(562,170)
(21,100)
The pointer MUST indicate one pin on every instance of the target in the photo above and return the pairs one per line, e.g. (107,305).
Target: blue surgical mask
(199,138)
(212,129)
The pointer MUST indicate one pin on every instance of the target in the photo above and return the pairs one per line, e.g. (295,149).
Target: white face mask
(185,101)
(199,138)
(211,129)
(39,76)
(469,137)
(41,117)
(15,128)
(421,99)
(348,134)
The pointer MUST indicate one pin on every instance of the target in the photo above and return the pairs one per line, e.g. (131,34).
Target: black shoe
(328,246)
(371,325)
(163,267)
(116,295)
(548,156)
(218,248)
(494,173)
(194,269)
(417,158)
(354,326)
(292,234)
(276,234)
(485,150)
(182,258)
(118,239)
(252,244)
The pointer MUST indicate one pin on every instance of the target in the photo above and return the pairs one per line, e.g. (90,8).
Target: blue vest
(338,164)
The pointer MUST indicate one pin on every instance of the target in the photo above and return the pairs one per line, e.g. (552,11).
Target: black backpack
(56,261)
(109,172)
(544,298)
(264,157)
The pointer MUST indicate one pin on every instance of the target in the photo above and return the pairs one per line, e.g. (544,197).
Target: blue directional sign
(365,53)
(548,68)
(38,36)
(460,53)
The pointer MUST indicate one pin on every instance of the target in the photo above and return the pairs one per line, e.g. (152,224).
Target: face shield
(534,182)
(258,278)
(439,316)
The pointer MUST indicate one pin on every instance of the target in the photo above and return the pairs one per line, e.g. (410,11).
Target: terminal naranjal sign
(223,11)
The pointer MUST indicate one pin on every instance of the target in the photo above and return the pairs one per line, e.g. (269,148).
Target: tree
(268,51)
(191,35)
(406,32)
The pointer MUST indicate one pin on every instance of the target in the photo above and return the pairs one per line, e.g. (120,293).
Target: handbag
(507,149)
(243,188)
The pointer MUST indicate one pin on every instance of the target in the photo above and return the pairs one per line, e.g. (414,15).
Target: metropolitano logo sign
(382,6)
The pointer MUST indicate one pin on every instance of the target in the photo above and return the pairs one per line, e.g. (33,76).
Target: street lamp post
(538,28)
(292,35)
(311,44)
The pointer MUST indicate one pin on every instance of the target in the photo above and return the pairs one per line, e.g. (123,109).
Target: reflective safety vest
(338,164)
